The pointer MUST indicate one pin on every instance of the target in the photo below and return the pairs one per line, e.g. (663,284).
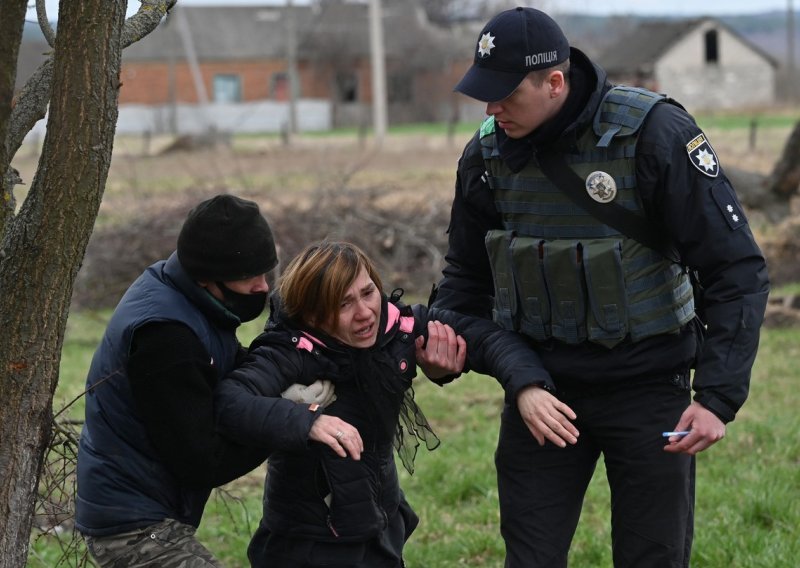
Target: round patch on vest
(601,187)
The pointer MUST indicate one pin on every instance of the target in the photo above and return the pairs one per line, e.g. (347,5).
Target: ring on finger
(339,435)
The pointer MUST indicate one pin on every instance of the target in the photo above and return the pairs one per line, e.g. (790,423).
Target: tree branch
(31,104)
(785,177)
(44,23)
(150,14)
(13,23)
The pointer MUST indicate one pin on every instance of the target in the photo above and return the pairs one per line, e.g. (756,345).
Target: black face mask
(246,307)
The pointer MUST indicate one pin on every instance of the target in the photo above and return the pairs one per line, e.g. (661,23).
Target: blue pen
(670,434)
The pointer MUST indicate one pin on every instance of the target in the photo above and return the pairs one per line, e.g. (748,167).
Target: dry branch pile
(407,240)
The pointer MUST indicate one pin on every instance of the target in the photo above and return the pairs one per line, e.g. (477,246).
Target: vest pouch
(660,297)
(498,247)
(563,272)
(527,255)
(607,317)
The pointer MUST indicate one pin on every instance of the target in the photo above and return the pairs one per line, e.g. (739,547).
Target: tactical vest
(561,273)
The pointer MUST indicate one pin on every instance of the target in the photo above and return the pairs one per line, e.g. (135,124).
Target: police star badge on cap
(702,156)
(601,187)
(485,45)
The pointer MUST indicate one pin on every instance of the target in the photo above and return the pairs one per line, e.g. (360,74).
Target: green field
(748,485)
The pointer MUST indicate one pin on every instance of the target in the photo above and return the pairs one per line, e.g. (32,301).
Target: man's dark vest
(561,273)
(122,484)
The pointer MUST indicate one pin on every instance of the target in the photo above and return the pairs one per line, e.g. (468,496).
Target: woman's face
(360,313)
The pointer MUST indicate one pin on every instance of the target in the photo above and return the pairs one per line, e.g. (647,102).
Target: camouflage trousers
(168,544)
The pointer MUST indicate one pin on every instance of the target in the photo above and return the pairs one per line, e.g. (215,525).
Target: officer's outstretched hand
(705,430)
(547,417)
(444,352)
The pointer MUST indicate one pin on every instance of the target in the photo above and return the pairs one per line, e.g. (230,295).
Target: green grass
(419,128)
(744,120)
(722,121)
(748,485)
(786,289)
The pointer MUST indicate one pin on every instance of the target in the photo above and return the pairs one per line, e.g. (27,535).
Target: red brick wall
(148,83)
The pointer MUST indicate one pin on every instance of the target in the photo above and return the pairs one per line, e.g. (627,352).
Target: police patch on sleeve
(728,205)
(702,155)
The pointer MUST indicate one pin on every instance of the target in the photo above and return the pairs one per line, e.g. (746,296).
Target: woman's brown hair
(317,279)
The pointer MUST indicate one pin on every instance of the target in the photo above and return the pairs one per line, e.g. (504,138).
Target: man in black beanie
(149,454)
(227,239)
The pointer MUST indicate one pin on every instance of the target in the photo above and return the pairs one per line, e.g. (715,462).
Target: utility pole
(790,65)
(291,64)
(379,120)
(191,56)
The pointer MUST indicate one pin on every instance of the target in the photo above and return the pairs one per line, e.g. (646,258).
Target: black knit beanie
(226,238)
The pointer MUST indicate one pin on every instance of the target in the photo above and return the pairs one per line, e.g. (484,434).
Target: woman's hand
(339,435)
(444,353)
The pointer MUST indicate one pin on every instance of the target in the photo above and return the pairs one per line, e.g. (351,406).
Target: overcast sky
(673,7)
(598,7)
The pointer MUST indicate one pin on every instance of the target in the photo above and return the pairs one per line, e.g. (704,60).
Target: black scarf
(390,394)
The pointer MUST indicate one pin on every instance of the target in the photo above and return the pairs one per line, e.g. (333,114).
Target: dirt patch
(394,202)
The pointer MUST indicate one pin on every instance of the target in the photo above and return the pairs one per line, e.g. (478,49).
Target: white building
(702,63)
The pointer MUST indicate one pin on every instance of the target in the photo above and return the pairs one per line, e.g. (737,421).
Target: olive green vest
(560,272)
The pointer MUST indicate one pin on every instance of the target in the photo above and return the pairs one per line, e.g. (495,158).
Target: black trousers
(541,488)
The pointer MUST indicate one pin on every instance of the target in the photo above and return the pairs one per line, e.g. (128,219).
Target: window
(347,87)
(227,89)
(712,46)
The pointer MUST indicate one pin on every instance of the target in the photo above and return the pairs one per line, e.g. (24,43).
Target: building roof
(641,49)
(224,33)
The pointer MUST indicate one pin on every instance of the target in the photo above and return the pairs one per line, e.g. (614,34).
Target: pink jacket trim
(393,316)
(307,342)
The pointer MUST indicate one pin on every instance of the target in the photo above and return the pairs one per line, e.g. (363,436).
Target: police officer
(610,320)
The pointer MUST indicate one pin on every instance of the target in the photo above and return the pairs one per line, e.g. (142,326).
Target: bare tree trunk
(44,246)
(785,177)
(13,12)
(41,248)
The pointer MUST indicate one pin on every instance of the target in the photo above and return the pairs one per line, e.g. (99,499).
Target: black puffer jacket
(310,491)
